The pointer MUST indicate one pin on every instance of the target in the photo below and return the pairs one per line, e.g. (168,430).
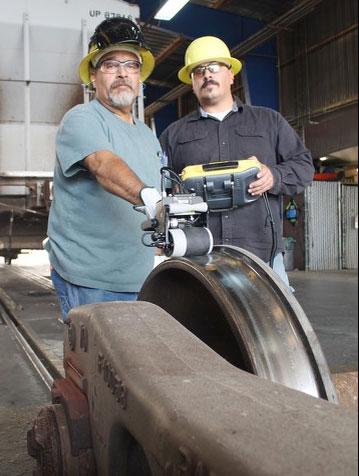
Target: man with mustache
(224,129)
(107,162)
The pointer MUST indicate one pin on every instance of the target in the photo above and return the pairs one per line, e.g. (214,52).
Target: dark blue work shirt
(246,131)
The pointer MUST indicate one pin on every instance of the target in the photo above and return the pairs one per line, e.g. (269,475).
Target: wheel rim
(239,307)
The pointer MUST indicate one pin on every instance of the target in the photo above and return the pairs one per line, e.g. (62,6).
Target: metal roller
(189,241)
(238,306)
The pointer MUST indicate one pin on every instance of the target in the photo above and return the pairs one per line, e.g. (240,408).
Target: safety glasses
(213,68)
(114,66)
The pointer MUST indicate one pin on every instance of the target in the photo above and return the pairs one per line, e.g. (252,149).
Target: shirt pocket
(248,142)
(192,147)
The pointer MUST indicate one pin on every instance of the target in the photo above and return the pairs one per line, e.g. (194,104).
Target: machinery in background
(25,200)
(292,211)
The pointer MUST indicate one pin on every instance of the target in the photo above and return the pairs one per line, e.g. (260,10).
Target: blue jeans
(71,295)
(279,268)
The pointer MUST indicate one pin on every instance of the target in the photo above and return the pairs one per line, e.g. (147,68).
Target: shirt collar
(201,113)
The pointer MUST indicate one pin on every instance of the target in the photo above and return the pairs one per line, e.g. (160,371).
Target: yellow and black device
(223,185)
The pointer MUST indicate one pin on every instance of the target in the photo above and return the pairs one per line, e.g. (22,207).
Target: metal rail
(33,358)
(42,359)
(41,280)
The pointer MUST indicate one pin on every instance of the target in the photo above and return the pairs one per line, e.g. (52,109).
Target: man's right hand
(150,197)
(264,182)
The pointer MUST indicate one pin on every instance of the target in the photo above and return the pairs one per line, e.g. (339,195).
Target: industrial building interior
(300,57)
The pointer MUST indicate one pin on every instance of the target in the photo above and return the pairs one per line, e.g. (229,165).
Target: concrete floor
(330,300)
(22,394)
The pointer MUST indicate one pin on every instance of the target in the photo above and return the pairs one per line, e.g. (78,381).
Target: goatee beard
(123,100)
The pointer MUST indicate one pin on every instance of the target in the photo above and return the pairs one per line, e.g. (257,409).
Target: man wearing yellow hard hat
(225,129)
(107,161)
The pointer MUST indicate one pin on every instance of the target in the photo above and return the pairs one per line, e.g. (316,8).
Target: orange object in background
(328,176)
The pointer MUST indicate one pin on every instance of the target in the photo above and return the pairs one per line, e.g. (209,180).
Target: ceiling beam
(262,36)
(166,99)
(219,4)
(161,84)
(171,48)
(276,26)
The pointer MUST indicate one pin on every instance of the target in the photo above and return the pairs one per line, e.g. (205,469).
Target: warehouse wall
(332,226)
(318,67)
(318,75)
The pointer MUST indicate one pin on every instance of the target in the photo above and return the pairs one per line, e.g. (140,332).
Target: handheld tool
(179,225)
(223,185)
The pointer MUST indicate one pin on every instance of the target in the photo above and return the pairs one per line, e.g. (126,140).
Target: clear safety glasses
(114,67)
(213,68)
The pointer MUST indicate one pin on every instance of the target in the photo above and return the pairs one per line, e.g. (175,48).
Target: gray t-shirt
(95,236)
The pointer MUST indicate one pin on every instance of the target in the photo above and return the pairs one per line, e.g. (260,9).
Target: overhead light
(170,9)
(322,159)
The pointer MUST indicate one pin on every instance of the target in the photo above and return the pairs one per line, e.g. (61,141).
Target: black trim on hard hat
(117,30)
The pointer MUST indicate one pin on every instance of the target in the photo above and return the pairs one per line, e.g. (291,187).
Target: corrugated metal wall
(331,226)
(350,226)
(318,66)
(319,96)
(322,226)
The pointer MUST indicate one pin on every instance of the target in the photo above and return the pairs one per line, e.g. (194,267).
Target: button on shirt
(246,131)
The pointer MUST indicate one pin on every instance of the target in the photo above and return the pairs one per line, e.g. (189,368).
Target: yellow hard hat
(204,50)
(117,34)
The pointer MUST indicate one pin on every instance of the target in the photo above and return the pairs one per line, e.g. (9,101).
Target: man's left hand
(264,183)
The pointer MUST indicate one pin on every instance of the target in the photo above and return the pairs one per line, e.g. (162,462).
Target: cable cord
(173,177)
(274,232)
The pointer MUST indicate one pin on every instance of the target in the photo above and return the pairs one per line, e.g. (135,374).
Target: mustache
(208,82)
(120,82)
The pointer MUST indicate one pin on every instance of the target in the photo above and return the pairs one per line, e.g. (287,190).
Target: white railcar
(42,44)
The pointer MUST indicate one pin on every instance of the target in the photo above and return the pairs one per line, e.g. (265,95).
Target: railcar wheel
(239,307)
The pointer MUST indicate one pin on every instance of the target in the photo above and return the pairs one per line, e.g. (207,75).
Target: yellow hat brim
(148,64)
(184,73)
